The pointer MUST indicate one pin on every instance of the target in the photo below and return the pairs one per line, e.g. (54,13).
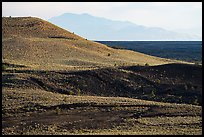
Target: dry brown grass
(29,41)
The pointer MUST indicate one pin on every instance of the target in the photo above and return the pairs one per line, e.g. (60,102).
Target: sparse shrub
(195,87)
(70,92)
(4,67)
(57,110)
(163,99)
(192,88)
(189,85)
(186,87)
(196,102)
(158,81)
(196,63)
(118,105)
(78,92)
(146,64)
(65,99)
(13,70)
(153,93)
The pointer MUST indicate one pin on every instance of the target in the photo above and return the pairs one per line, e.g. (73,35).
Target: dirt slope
(39,44)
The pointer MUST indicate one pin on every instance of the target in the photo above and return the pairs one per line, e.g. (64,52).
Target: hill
(38,44)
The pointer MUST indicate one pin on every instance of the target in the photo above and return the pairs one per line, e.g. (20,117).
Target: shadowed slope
(165,83)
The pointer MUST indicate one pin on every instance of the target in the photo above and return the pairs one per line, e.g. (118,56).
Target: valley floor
(35,112)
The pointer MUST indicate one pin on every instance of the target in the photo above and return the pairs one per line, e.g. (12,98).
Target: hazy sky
(176,16)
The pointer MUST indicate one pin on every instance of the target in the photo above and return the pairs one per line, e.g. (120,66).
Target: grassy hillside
(39,44)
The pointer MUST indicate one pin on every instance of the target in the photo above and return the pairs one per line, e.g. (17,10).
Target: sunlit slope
(38,44)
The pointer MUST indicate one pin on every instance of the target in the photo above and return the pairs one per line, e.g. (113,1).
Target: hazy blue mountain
(97,28)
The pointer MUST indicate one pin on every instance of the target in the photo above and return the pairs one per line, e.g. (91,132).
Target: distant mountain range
(98,28)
